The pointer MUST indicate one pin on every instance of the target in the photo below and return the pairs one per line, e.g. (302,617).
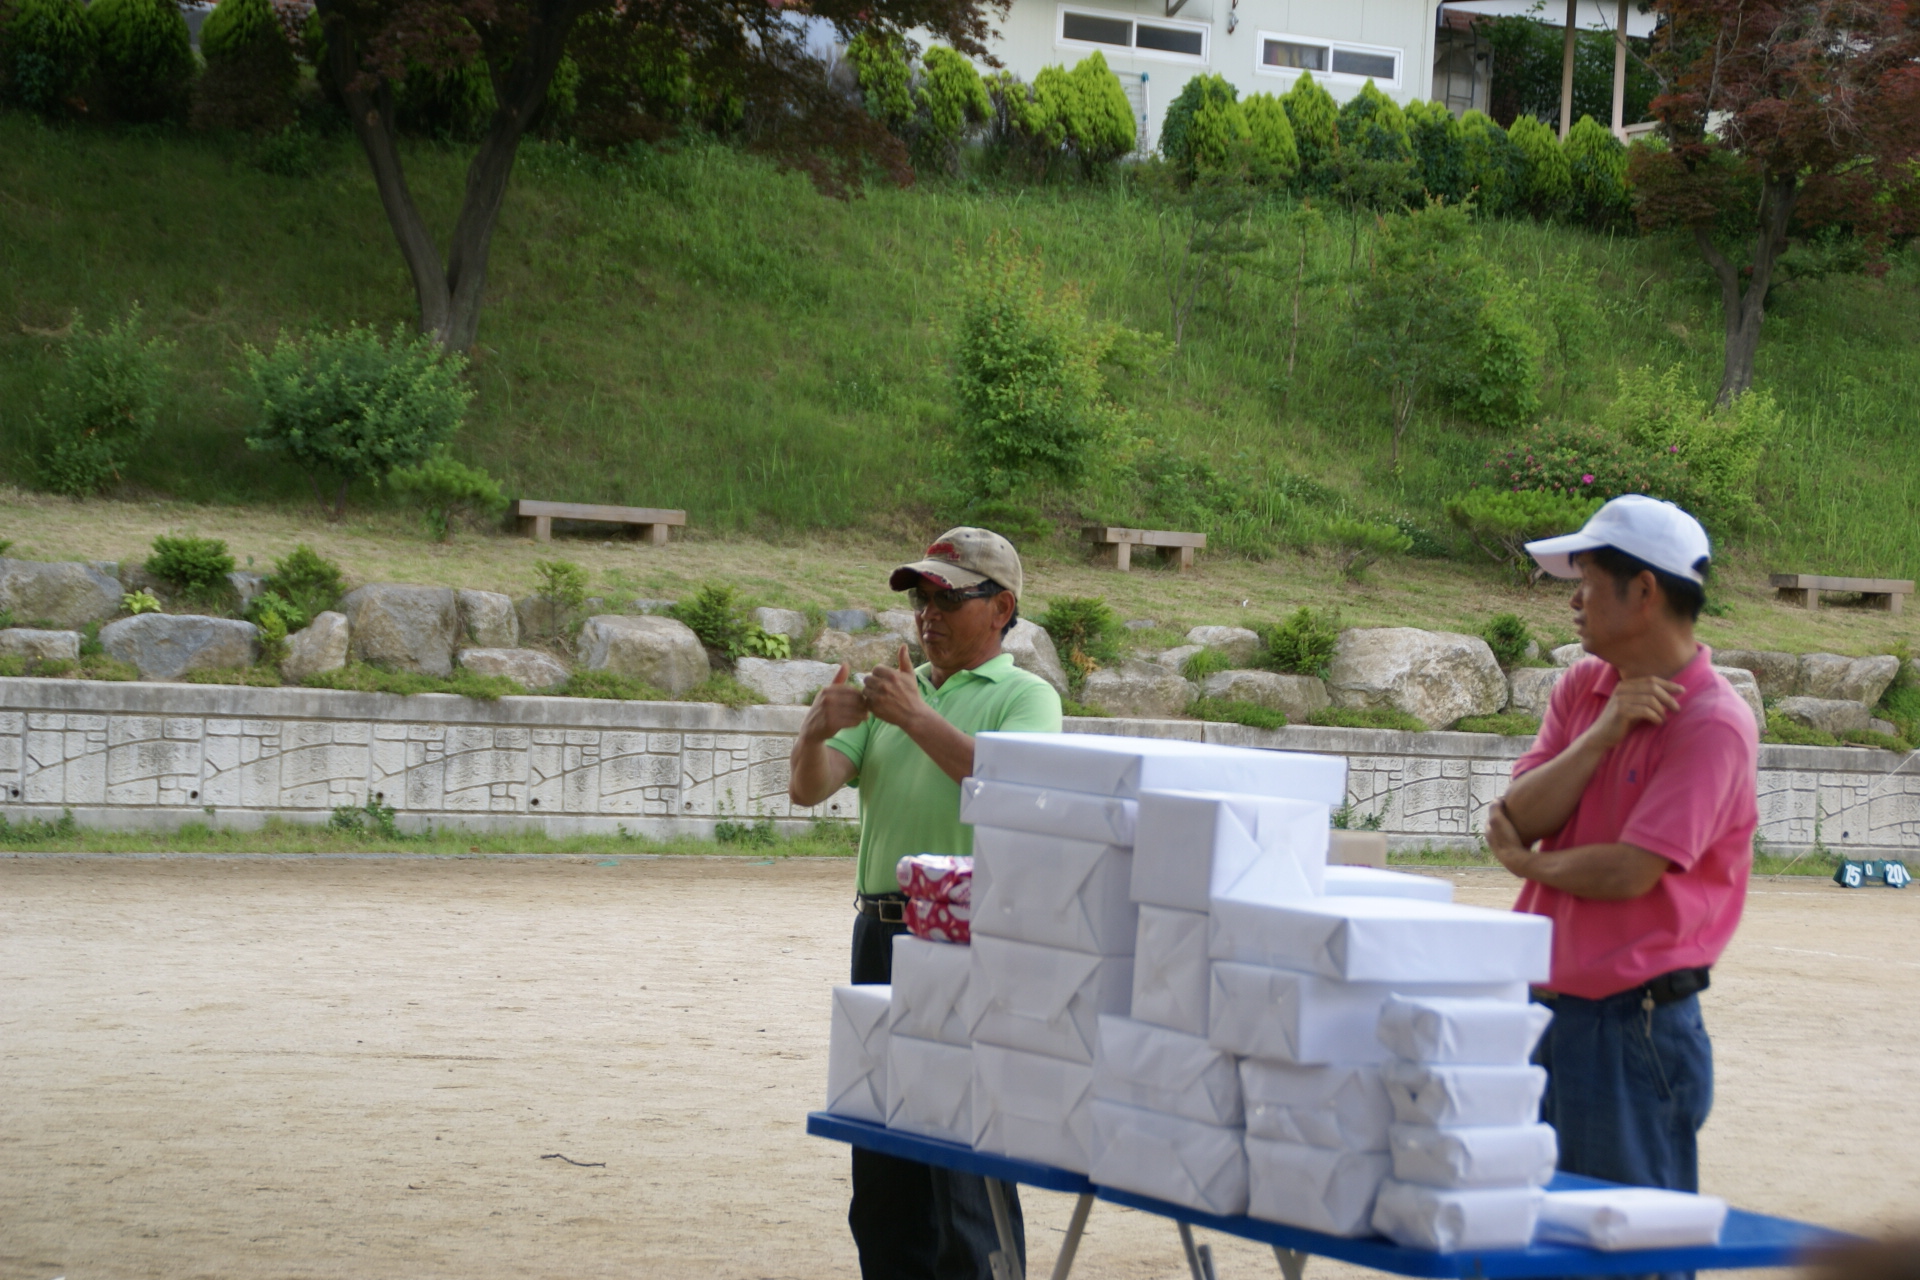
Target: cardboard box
(1313,1187)
(1171,1158)
(857,1052)
(1357,849)
(1289,1016)
(1045,999)
(1033,1107)
(1456,1096)
(932,991)
(930,1089)
(1417,1217)
(1446,1028)
(1171,970)
(1340,1106)
(1511,1155)
(1398,940)
(1052,891)
(1167,1071)
(1630,1218)
(1193,846)
(1372,882)
(1048,811)
(1111,765)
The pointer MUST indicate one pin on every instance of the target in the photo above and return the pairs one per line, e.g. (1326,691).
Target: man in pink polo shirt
(1639,794)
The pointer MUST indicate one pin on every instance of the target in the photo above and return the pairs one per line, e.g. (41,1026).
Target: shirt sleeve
(1701,776)
(1035,708)
(852,743)
(1553,737)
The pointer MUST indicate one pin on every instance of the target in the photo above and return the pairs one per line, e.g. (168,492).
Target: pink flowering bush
(1576,461)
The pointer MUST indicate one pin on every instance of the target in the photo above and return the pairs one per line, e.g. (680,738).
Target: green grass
(611,685)
(694,330)
(1230,711)
(1793,733)
(1366,718)
(361,678)
(1507,724)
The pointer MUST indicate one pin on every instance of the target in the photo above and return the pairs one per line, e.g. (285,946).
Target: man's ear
(1003,616)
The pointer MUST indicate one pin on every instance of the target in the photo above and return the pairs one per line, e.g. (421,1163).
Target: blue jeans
(911,1221)
(1628,1088)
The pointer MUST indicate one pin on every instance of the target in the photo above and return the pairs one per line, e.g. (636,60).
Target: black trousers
(911,1221)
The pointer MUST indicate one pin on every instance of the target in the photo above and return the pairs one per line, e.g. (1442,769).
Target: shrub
(453,104)
(250,75)
(1276,154)
(277,618)
(293,152)
(1439,150)
(360,678)
(47,52)
(1508,636)
(1303,644)
(145,58)
(952,102)
(1100,124)
(1365,543)
(1366,718)
(880,68)
(1205,663)
(1545,182)
(1792,732)
(1507,724)
(1597,174)
(611,685)
(1226,711)
(308,581)
(348,404)
(101,406)
(1493,163)
(1372,127)
(725,690)
(1086,632)
(1030,119)
(1501,522)
(1315,118)
(719,617)
(1497,380)
(1203,125)
(371,818)
(559,597)
(133,602)
(1719,447)
(1573,460)
(446,489)
(196,566)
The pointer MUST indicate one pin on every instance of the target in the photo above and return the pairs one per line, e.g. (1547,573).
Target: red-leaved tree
(1764,102)
(751,53)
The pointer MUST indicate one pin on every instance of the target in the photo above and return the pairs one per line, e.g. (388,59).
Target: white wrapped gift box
(1617,1218)
(1172,1158)
(1507,1155)
(1167,1071)
(930,1089)
(1171,971)
(1192,846)
(1290,1016)
(857,1052)
(1399,940)
(1418,1217)
(1053,891)
(1457,1096)
(932,991)
(1033,1107)
(1318,1188)
(1423,1027)
(1045,999)
(1110,765)
(1342,1106)
(1372,882)
(1047,811)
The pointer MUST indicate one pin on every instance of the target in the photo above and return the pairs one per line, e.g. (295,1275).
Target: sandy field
(298,1067)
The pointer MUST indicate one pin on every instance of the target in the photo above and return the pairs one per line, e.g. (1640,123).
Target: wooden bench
(653,522)
(1114,547)
(1805,588)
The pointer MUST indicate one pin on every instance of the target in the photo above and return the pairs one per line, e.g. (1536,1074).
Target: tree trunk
(1744,309)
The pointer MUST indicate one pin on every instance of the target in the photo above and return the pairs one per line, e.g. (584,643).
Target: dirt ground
(354,1067)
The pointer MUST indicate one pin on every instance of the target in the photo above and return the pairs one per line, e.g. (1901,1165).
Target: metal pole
(1071,1245)
(1566,72)
(1620,74)
(1005,1263)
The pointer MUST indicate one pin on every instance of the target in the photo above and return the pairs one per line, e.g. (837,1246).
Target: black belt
(1665,989)
(887,908)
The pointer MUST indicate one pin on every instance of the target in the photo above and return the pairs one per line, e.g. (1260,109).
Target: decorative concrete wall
(142,754)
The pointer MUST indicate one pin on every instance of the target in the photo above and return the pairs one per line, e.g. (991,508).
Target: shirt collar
(993,671)
(1690,677)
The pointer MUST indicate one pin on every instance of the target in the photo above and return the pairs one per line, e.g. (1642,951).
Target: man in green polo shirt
(905,739)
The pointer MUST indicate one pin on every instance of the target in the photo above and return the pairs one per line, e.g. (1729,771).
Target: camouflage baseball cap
(962,558)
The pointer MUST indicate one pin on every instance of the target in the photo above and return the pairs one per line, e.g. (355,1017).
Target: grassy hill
(695,330)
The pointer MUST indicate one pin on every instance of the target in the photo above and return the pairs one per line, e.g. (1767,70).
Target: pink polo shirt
(1684,790)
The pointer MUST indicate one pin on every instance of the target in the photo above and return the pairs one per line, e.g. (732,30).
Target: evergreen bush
(1501,522)
(1203,126)
(101,407)
(1276,155)
(880,68)
(952,101)
(1492,163)
(446,490)
(560,597)
(308,581)
(1597,174)
(1545,182)
(1508,636)
(47,56)
(1365,542)
(1303,645)
(197,566)
(1372,127)
(1315,118)
(1440,150)
(1086,632)
(145,56)
(250,74)
(1100,122)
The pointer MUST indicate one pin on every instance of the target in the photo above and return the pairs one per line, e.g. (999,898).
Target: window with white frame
(1146,37)
(1330,59)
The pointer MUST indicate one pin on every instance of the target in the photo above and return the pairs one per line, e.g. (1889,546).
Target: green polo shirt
(908,804)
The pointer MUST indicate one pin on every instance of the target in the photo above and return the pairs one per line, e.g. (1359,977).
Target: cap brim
(942,573)
(1552,554)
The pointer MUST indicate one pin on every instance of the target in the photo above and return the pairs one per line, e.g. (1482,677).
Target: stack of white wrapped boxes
(930,1054)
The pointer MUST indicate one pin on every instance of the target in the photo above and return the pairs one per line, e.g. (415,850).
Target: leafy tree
(1493,163)
(1545,182)
(1440,150)
(47,52)
(145,58)
(1528,58)
(251,72)
(1202,125)
(1597,173)
(1100,124)
(1316,127)
(1763,101)
(1271,133)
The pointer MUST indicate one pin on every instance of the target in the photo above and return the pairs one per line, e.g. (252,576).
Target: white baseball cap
(1647,529)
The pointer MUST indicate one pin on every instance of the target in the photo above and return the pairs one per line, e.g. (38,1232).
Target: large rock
(790,623)
(664,652)
(1176,659)
(1238,645)
(1032,650)
(901,622)
(861,652)
(1530,688)
(1136,688)
(39,646)
(1829,715)
(246,586)
(1777,674)
(1748,687)
(488,619)
(67,594)
(319,646)
(530,668)
(165,646)
(849,619)
(1862,680)
(404,628)
(1568,654)
(1297,697)
(790,683)
(1436,676)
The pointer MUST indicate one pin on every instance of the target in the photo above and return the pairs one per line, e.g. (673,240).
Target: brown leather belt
(887,908)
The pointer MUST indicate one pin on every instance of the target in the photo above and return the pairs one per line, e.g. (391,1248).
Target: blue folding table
(1747,1240)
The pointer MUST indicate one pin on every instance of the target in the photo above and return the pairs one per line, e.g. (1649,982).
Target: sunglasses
(949,601)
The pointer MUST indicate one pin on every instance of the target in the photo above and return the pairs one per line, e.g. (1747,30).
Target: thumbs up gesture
(839,705)
(893,693)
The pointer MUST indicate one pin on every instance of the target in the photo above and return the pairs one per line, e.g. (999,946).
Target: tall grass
(690,328)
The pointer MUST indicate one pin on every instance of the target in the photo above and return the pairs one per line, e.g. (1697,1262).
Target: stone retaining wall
(141,755)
